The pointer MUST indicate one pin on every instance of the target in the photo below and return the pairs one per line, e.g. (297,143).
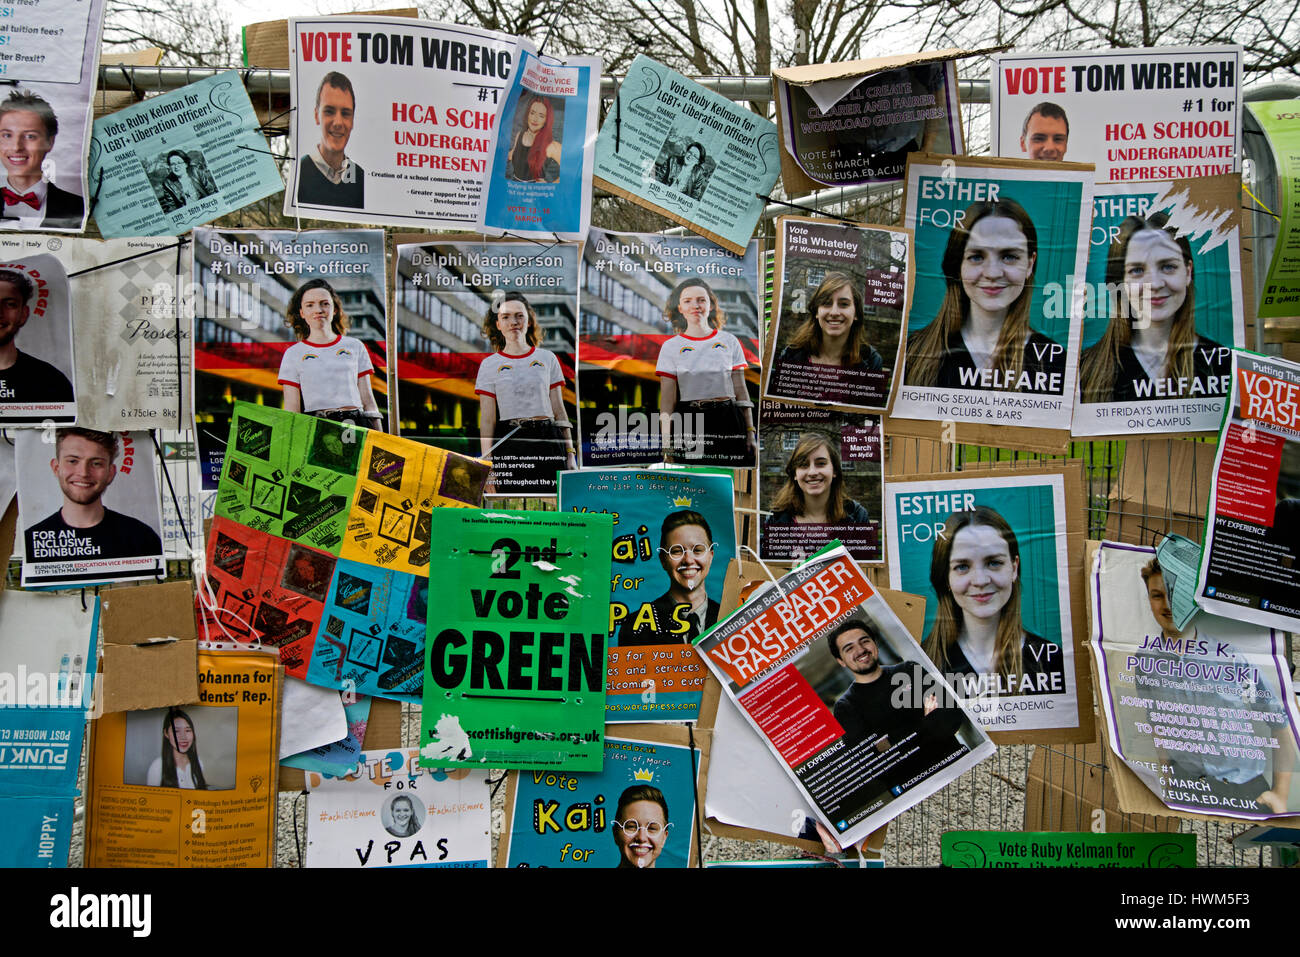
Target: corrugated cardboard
(110,101)
(1163,487)
(150,647)
(383,730)
(266,44)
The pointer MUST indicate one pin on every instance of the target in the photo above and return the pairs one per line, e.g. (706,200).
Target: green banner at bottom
(1066,849)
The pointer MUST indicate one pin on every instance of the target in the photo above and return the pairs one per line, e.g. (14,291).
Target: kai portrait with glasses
(685,611)
(640,826)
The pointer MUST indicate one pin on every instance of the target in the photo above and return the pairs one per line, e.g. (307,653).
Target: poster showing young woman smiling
(1162,308)
(991,555)
(993,330)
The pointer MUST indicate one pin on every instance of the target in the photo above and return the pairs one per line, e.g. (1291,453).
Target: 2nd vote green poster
(514,672)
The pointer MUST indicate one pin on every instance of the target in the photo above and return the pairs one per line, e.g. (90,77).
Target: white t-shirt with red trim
(522,384)
(327,375)
(702,366)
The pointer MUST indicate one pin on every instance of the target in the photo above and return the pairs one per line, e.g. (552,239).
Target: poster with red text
(1250,560)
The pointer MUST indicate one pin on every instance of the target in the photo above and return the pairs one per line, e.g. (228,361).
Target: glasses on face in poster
(631,827)
(679,551)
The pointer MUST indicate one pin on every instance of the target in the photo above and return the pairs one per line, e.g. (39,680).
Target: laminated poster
(421,99)
(1280,122)
(1250,560)
(399,485)
(991,556)
(390,812)
(674,536)
(178,472)
(292,320)
(819,481)
(515,660)
(38,383)
(192,786)
(841,300)
(822,668)
(638,812)
(290,475)
(488,335)
(545,149)
(179,160)
(858,124)
(668,351)
(1206,716)
(371,638)
(1156,114)
(993,331)
(46,684)
(49,61)
(267,589)
(88,501)
(693,155)
(1162,307)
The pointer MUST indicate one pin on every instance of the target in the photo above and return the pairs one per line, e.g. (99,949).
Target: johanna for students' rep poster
(89,506)
(674,535)
(291,476)
(421,99)
(540,180)
(1206,716)
(844,124)
(992,556)
(485,355)
(371,638)
(184,158)
(1164,113)
(824,670)
(819,481)
(390,812)
(191,786)
(638,812)
(294,320)
(841,300)
(691,154)
(668,351)
(36,383)
(50,54)
(1250,561)
(993,331)
(514,671)
(1162,307)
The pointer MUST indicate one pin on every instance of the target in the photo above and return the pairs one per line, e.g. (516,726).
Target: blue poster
(339,757)
(371,639)
(638,812)
(674,534)
(540,181)
(35,831)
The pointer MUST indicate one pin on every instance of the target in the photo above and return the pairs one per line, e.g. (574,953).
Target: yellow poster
(190,786)
(399,483)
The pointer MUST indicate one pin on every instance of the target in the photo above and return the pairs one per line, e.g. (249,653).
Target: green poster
(1280,120)
(1066,849)
(289,475)
(514,667)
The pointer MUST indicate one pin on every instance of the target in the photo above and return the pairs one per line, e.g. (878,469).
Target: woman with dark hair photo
(406,820)
(185,183)
(978,629)
(534,155)
(640,826)
(813,493)
(523,427)
(833,333)
(326,373)
(178,766)
(1151,337)
(687,173)
(981,337)
(705,414)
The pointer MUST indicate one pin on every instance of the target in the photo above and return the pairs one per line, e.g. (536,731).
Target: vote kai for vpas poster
(674,536)
(514,671)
